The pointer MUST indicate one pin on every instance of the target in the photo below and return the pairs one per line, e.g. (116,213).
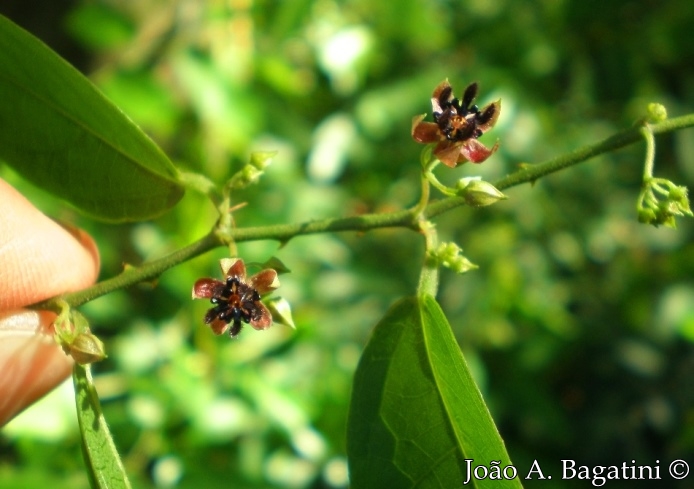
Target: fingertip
(38,257)
(88,244)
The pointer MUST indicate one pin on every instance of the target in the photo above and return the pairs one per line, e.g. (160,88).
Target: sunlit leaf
(416,414)
(61,133)
(103,462)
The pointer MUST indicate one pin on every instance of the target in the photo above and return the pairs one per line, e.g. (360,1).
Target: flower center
(236,302)
(459,121)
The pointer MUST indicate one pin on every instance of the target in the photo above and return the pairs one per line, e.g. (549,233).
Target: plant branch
(531,173)
(283,232)
(409,218)
(619,140)
(132,275)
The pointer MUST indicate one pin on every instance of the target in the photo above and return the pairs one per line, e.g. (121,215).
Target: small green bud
(656,112)
(664,215)
(281,311)
(250,174)
(262,159)
(251,171)
(674,208)
(680,201)
(677,193)
(448,251)
(479,193)
(646,216)
(86,348)
(669,222)
(449,255)
(666,208)
(660,210)
(245,177)
(462,265)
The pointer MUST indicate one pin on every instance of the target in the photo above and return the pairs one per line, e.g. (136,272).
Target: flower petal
(206,288)
(425,132)
(473,150)
(226,263)
(219,326)
(235,268)
(264,320)
(264,281)
(448,152)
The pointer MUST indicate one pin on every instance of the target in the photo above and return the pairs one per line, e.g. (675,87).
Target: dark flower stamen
(235,303)
(487,115)
(453,120)
(470,95)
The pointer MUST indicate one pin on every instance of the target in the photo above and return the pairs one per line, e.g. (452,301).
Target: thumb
(31,364)
(38,259)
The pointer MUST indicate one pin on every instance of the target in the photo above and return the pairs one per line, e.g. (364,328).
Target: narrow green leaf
(62,134)
(416,414)
(103,462)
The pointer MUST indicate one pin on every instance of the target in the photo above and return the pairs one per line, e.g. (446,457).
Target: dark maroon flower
(237,300)
(457,125)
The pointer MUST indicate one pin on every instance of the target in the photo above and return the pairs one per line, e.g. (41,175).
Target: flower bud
(646,216)
(262,159)
(656,112)
(86,348)
(677,193)
(680,201)
(461,265)
(251,171)
(479,193)
(450,256)
(281,311)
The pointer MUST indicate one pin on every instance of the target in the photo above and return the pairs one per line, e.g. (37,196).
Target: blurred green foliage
(579,323)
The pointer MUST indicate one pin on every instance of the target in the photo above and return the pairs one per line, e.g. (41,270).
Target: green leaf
(100,26)
(416,414)
(62,134)
(103,462)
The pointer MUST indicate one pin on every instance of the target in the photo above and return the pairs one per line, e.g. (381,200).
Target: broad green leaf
(103,462)
(416,414)
(62,134)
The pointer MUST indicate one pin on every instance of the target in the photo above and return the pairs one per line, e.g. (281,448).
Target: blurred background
(578,324)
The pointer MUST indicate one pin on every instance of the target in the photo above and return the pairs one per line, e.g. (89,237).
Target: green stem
(284,232)
(619,140)
(200,183)
(410,218)
(429,276)
(647,134)
(365,222)
(532,172)
(441,187)
(424,197)
(132,275)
